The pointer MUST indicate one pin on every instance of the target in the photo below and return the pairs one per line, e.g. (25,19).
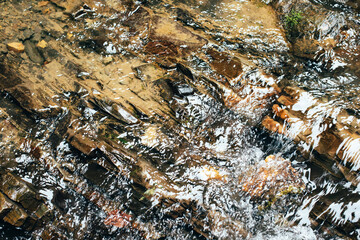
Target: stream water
(207,151)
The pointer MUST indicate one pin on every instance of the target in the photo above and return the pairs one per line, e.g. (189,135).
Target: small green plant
(293,19)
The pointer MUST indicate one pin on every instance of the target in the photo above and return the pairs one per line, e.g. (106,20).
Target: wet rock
(224,64)
(107,60)
(5,205)
(272,125)
(18,191)
(69,6)
(42,3)
(165,30)
(118,219)
(149,72)
(271,178)
(280,112)
(16,217)
(184,90)
(153,137)
(306,48)
(16,47)
(33,53)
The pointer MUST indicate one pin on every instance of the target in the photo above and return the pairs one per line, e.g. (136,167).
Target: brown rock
(272,125)
(272,178)
(16,217)
(5,205)
(69,6)
(43,3)
(225,64)
(18,191)
(170,31)
(279,112)
(306,48)
(16,47)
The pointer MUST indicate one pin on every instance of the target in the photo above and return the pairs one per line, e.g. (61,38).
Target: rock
(69,6)
(16,217)
(149,72)
(153,137)
(42,3)
(18,191)
(58,16)
(118,219)
(279,112)
(225,64)
(16,47)
(271,178)
(165,30)
(107,60)
(26,34)
(306,48)
(5,205)
(138,21)
(42,44)
(33,53)
(272,125)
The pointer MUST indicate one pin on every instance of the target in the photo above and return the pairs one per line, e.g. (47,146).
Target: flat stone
(42,3)
(33,53)
(17,47)
(170,31)
(18,191)
(225,64)
(26,34)
(149,72)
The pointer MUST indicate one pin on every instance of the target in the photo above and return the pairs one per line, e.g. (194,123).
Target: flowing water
(197,162)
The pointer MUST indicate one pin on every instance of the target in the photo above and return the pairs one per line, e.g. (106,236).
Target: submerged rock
(272,178)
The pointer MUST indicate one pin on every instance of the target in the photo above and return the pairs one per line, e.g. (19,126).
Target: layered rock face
(122,118)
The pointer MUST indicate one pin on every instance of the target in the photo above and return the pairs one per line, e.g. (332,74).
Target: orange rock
(43,3)
(210,173)
(281,113)
(285,100)
(118,218)
(273,177)
(41,44)
(272,125)
(17,47)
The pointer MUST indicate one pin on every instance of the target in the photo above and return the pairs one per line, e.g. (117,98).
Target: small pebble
(17,47)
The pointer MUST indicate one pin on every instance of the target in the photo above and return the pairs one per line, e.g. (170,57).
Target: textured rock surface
(115,111)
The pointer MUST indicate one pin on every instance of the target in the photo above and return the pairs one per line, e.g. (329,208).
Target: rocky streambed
(179,119)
